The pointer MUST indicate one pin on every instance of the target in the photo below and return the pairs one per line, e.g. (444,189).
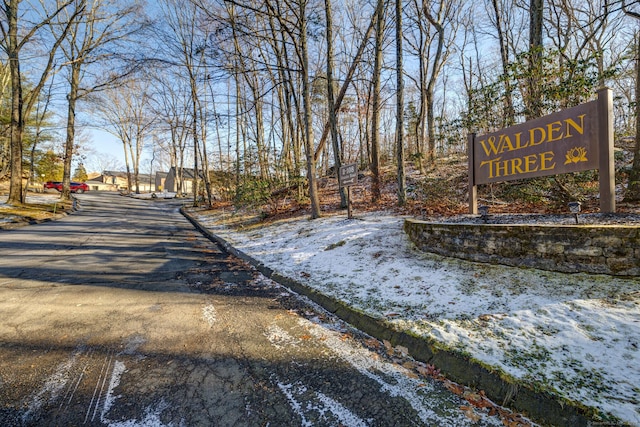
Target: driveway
(122,314)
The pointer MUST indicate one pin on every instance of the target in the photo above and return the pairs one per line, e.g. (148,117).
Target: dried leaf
(372,343)
(454,388)
(346,336)
(470,413)
(477,399)
(409,365)
(429,370)
(402,350)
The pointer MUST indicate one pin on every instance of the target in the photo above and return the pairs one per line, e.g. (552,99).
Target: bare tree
(633,188)
(534,95)
(444,14)
(125,111)
(509,109)
(17,32)
(333,122)
(171,105)
(186,45)
(402,191)
(376,192)
(97,28)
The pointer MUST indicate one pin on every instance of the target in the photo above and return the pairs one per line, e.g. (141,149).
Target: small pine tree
(80,174)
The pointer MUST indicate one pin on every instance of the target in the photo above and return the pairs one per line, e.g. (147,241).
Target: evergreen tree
(80,174)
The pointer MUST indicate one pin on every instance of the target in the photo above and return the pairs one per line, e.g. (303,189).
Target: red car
(75,187)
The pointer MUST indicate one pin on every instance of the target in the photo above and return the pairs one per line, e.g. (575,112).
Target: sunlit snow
(575,333)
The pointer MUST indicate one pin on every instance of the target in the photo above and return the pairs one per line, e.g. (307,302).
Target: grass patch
(34,211)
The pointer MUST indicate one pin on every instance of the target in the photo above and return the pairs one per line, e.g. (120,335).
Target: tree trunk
(331,103)
(430,89)
(402,191)
(347,81)
(72,98)
(632,193)
(375,119)
(509,113)
(16,195)
(308,131)
(534,99)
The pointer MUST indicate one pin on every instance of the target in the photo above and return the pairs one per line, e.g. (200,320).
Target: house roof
(142,177)
(187,173)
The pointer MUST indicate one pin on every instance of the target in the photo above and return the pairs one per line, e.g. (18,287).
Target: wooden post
(605,148)
(473,188)
(349,212)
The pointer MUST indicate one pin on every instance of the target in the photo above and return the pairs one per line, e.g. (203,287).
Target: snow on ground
(577,334)
(42,198)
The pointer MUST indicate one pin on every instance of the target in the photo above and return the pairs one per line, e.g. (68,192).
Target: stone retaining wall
(606,249)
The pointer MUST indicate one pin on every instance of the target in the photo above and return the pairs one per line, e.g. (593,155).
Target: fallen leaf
(428,370)
(372,343)
(402,350)
(454,388)
(477,400)
(409,365)
(470,413)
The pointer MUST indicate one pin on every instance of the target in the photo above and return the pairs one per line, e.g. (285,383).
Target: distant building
(161,178)
(172,181)
(117,181)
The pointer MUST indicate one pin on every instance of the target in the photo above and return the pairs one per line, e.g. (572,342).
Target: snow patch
(535,325)
(209,313)
(109,400)
(280,338)
(305,402)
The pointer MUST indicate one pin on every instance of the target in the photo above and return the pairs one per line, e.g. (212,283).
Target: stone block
(584,251)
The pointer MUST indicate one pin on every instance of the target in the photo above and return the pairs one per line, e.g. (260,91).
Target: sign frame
(348,176)
(572,140)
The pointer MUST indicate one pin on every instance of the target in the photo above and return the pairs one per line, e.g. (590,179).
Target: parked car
(75,187)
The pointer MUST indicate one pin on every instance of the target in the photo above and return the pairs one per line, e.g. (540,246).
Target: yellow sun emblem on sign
(576,155)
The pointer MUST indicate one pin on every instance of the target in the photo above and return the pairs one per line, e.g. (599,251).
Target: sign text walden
(572,140)
(560,143)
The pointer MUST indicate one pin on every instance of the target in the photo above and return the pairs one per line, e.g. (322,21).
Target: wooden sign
(572,140)
(348,175)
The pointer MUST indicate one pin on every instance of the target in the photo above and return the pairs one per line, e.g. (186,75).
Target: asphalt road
(122,314)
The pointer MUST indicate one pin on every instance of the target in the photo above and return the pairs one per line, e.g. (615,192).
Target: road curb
(540,406)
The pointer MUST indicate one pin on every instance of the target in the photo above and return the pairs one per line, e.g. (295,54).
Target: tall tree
(509,109)
(333,122)
(186,45)
(444,13)
(17,31)
(534,96)
(402,191)
(128,118)
(91,41)
(376,191)
(303,52)
(633,187)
